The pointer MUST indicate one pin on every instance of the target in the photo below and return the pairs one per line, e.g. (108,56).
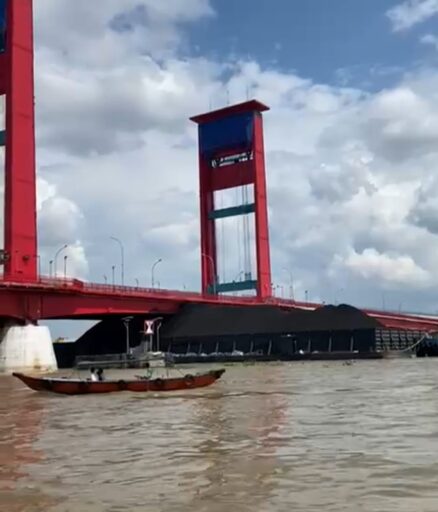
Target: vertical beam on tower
(208,229)
(261,211)
(231,154)
(17,83)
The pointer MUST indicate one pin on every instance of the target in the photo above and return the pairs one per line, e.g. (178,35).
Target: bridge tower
(27,346)
(231,155)
(17,85)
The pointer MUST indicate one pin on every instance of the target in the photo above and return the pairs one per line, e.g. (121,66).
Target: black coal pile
(204,320)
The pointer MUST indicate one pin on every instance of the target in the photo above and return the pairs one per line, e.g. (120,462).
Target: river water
(300,436)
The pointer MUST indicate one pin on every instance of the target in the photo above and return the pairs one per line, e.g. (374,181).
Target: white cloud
(430,39)
(58,216)
(91,34)
(60,222)
(400,270)
(76,264)
(411,12)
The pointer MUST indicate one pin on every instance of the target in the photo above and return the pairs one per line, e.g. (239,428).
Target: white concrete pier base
(26,348)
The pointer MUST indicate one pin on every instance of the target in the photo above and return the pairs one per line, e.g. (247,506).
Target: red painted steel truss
(61,299)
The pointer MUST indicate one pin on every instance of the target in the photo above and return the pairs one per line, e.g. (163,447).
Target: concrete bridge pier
(26,348)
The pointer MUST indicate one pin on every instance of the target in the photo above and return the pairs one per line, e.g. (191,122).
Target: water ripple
(307,437)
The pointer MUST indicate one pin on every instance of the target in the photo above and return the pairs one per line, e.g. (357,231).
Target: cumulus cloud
(398,269)
(411,12)
(98,34)
(59,223)
(59,218)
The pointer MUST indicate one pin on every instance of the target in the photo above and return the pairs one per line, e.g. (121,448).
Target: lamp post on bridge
(239,276)
(113,268)
(56,257)
(50,268)
(105,279)
(159,319)
(292,291)
(152,271)
(122,257)
(126,321)
(65,266)
(237,279)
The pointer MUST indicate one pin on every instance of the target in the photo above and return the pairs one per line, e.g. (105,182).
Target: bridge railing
(58,282)
(162,293)
(110,289)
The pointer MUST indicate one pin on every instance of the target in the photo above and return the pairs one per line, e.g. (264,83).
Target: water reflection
(240,439)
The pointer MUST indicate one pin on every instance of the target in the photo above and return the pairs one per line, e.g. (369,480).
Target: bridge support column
(26,347)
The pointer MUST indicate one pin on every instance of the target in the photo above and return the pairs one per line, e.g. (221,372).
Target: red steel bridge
(231,155)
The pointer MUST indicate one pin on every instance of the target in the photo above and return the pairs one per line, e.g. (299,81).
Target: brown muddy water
(286,437)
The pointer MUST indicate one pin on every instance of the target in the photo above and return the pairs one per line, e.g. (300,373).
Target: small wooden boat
(141,384)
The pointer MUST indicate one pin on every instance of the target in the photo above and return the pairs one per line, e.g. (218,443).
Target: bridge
(54,299)
(231,156)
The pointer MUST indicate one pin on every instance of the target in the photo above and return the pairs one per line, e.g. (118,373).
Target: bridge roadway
(50,298)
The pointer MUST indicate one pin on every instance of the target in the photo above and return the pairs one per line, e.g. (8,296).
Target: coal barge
(203,333)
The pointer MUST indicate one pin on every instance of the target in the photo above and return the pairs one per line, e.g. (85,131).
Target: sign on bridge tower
(231,155)
(17,84)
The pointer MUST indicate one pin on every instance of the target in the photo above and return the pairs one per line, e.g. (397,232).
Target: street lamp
(126,321)
(236,279)
(113,268)
(50,268)
(158,333)
(239,275)
(105,279)
(56,257)
(213,270)
(136,281)
(152,271)
(122,256)
(306,293)
(292,292)
(65,266)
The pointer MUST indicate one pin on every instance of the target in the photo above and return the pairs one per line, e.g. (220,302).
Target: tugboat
(142,356)
(138,357)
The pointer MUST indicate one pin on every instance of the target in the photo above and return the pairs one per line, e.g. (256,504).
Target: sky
(351,139)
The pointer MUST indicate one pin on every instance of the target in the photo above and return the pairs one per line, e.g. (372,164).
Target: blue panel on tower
(230,132)
(3,14)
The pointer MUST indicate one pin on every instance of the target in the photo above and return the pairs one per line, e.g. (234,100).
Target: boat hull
(81,387)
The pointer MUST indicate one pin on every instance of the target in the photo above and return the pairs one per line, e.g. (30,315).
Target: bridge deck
(50,298)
